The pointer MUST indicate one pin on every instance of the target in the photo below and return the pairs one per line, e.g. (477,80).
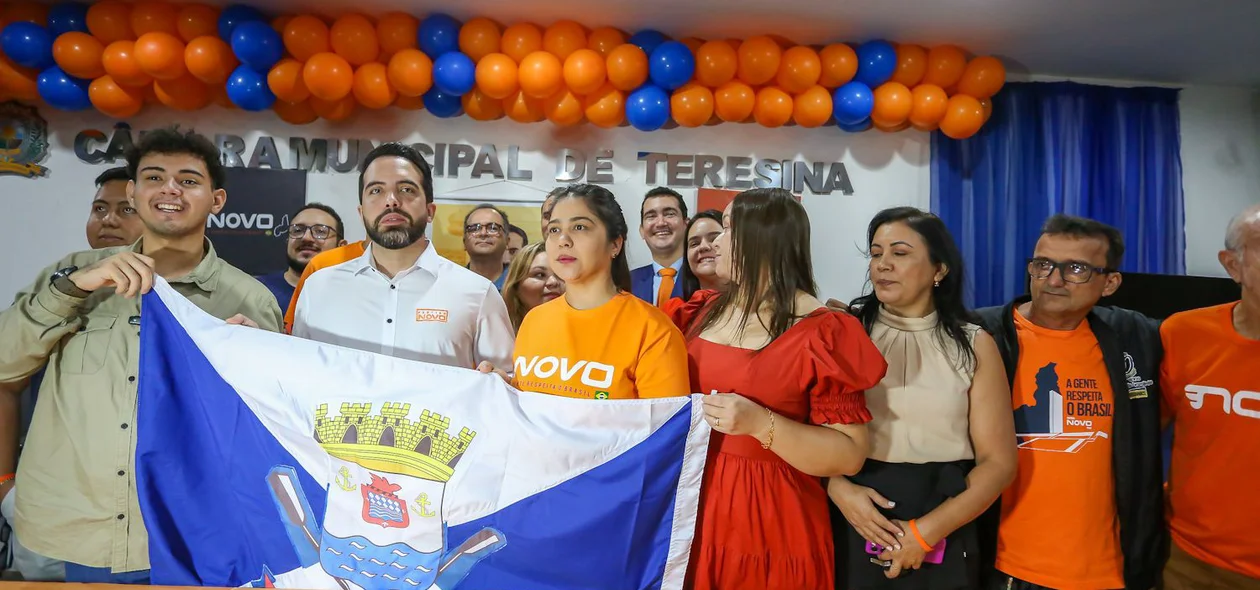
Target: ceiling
(1164,41)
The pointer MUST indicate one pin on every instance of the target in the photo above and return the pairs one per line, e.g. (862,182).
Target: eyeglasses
(493,229)
(319,232)
(1072,272)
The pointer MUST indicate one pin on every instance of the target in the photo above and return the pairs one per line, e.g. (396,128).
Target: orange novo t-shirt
(1059,525)
(1210,379)
(623,349)
(324,259)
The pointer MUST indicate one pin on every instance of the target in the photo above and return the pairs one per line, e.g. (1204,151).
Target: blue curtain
(1107,153)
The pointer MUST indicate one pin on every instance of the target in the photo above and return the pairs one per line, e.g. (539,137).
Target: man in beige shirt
(77,495)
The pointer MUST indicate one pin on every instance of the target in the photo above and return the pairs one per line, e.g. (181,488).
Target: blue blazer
(641,283)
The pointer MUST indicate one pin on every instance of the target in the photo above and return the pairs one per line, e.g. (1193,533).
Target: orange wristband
(7,477)
(914,530)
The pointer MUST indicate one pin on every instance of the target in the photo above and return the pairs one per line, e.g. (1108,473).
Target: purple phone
(936,555)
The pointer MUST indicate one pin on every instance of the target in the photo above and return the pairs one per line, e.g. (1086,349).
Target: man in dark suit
(663,225)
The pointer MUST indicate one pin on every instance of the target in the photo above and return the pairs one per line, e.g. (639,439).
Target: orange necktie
(667,285)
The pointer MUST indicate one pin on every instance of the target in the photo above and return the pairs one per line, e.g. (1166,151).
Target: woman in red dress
(786,377)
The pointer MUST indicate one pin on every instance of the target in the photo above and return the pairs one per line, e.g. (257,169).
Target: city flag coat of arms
(264,460)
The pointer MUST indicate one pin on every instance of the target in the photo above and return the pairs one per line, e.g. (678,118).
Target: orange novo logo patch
(431,315)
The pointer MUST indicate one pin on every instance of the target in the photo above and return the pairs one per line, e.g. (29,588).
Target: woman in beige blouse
(942,433)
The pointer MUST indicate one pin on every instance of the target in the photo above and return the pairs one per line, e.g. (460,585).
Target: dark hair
(1081,227)
(661,191)
(690,283)
(951,313)
(605,206)
(339,227)
(171,141)
(770,261)
(520,232)
(117,173)
(405,152)
(506,223)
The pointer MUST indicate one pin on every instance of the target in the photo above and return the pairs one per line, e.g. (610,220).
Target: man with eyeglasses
(315,228)
(1086,509)
(485,241)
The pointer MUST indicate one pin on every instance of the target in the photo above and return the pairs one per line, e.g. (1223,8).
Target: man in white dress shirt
(400,297)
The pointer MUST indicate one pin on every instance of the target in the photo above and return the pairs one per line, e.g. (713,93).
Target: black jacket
(1132,352)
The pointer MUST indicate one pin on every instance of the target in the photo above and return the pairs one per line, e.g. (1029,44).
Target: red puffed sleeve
(841,363)
(683,313)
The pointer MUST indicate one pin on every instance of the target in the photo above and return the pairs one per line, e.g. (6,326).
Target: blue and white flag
(266,460)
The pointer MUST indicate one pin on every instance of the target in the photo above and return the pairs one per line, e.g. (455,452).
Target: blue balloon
(648,40)
(852,103)
(257,45)
(67,17)
(442,104)
(858,127)
(233,16)
(27,44)
(671,65)
(877,60)
(647,109)
(454,73)
(247,88)
(438,35)
(62,90)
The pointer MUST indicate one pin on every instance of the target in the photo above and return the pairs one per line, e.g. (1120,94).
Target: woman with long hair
(787,408)
(942,434)
(529,282)
(700,271)
(638,350)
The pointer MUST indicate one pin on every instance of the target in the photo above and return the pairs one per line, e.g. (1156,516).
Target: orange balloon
(799,70)
(306,36)
(716,63)
(371,86)
(911,64)
(627,67)
(285,81)
(220,97)
(280,22)
(110,20)
(182,94)
(497,76)
(839,65)
(520,40)
(161,55)
(734,101)
(210,60)
(606,107)
(329,77)
(963,117)
(295,113)
(119,102)
(929,106)
(945,65)
(812,108)
(154,17)
(563,38)
(522,108)
(891,128)
(396,31)
(759,59)
(79,54)
(478,38)
(693,43)
(773,108)
(481,107)
(603,40)
(410,103)
(987,105)
(691,105)
(354,38)
(411,72)
(564,108)
(196,20)
(334,110)
(585,71)
(540,74)
(893,103)
(18,82)
(120,63)
(26,11)
(983,77)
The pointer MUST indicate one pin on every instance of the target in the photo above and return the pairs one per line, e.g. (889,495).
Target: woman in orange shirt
(597,341)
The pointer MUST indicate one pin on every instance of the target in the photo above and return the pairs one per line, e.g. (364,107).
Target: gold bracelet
(770,435)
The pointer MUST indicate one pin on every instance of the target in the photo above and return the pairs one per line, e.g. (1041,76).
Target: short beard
(396,239)
(296,265)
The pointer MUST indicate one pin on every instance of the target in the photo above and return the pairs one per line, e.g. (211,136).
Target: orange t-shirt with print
(1210,379)
(324,259)
(623,349)
(1059,525)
